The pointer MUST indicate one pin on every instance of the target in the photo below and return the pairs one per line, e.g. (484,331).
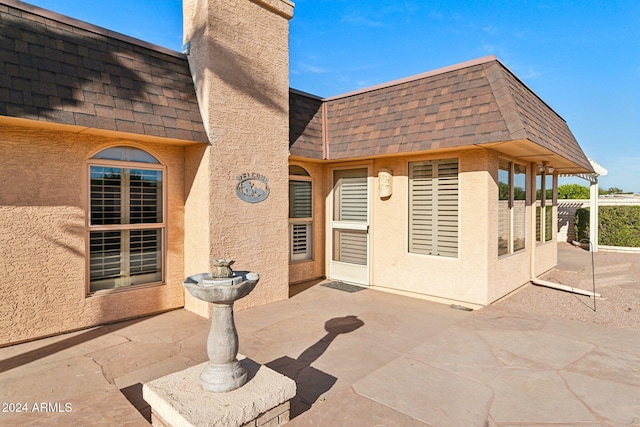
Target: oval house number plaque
(252,187)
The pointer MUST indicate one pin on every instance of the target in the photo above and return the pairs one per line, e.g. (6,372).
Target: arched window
(126,219)
(300,213)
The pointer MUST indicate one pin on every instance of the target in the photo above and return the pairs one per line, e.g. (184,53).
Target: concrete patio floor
(366,358)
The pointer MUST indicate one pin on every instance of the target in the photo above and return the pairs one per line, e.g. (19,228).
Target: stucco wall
(461,279)
(42,236)
(239,58)
(546,257)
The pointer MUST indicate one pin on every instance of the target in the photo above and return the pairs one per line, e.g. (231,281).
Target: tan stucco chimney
(238,52)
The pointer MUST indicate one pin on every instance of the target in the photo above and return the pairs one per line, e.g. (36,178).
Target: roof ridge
(511,116)
(529,88)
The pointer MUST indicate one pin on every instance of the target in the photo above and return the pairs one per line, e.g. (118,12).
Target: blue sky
(582,56)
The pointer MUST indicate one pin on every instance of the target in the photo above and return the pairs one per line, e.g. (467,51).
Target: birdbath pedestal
(222,391)
(223,372)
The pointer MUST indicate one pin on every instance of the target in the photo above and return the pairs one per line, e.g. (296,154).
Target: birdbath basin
(223,372)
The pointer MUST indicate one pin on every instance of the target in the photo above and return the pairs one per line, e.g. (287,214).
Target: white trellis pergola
(599,170)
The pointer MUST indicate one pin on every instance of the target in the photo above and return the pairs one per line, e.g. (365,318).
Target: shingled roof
(57,69)
(305,124)
(476,103)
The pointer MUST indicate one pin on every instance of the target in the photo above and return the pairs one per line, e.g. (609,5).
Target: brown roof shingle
(532,119)
(57,69)
(474,103)
(305,125)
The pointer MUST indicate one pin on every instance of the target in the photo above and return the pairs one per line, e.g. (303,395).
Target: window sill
(105,292)
(504,256)
(301,261)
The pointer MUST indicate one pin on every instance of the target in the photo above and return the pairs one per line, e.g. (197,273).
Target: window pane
(125,257)
(298,170)
(145,251)
(350,246)
(548,189)
(104,259)
(538,187)
(519,207)
(300,199)
(128,154)
(504,192)
(145,193)
(106,195)
(548,210)
(538,223)
(539,208)
(548,223)
(350,195)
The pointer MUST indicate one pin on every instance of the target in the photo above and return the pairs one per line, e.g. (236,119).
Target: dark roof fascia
(48,14)
(306,94)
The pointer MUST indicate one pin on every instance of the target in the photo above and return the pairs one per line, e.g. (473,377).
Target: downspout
(534,279)
(561,287)
(593,214)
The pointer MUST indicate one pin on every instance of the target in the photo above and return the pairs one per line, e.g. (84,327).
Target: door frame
(337,270)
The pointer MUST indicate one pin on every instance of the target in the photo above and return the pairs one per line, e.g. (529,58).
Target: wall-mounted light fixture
(544,167)
(385,183)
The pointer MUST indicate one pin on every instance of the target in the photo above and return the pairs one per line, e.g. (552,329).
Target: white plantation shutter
(300,219)
(350,196)
(300,199)
(300,233)
(353,200)
(352,247)
(433,207)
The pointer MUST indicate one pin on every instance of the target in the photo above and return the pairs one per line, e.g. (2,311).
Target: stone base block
(178,399)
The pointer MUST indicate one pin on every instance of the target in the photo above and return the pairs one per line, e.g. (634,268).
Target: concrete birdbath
(222,287)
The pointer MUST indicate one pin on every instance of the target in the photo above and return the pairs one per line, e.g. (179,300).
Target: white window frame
(542,204)
(511,206)
(121,284)
(298,224)
(436,234)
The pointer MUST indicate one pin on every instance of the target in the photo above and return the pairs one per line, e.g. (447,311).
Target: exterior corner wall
(43,236)
(507,272)
(301,271)
(511,271)
(239,58)
(462,279)
(546,257)
(196,221)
